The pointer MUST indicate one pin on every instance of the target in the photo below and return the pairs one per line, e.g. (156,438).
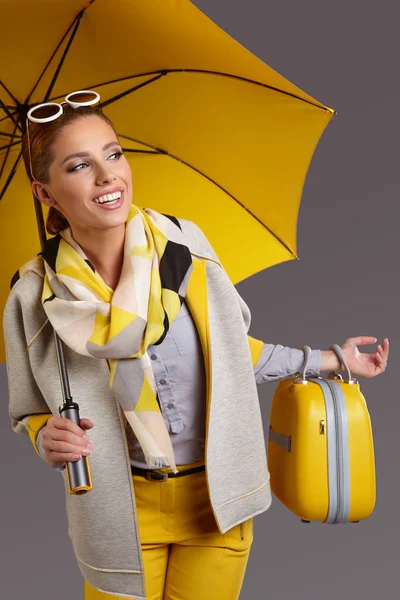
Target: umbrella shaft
(62,366)
(40,222)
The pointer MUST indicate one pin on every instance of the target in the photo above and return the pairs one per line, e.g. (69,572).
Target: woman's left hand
(364,364)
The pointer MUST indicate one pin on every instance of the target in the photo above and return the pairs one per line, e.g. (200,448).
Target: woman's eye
(77,168)
(117,154)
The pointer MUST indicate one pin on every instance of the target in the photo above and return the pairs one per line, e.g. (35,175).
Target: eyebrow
(84,154)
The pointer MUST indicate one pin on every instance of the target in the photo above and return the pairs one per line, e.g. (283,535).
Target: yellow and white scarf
(119,325)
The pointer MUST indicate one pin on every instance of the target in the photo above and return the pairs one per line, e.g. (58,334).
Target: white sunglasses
(49,111)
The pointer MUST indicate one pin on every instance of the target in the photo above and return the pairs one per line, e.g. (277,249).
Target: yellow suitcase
(320,447)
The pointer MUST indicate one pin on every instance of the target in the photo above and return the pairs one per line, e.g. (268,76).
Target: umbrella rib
(10,145)
(3,166)
(63,57)
(184,162)
(3,133)
(219,74)
(7,117)
(74,22)
(11,175)
(270,87)
(140,151)
(8,92)
(127,92)
(10,116)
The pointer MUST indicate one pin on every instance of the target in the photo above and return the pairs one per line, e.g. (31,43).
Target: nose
(105,174)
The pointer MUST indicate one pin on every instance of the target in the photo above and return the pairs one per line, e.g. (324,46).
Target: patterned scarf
(119,325)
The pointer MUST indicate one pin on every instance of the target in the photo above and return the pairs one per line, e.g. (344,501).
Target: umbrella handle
(78,472)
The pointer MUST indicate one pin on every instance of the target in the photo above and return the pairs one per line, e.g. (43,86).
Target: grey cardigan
(102,524)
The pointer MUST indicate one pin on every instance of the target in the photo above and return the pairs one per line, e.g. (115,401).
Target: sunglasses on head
(50,111)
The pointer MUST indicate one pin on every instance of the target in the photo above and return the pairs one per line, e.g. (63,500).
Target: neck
(105,250)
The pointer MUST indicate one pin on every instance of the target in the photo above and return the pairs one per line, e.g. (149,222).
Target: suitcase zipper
(342,452)
(339,453)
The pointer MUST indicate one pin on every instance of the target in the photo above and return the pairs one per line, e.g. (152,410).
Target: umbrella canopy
(212,133)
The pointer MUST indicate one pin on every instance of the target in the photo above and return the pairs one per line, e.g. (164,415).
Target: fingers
(383,349)
(57,453)
(63,441)
(62,448)
(363,340)
(86,424)
(63,424)
(51,435)
(381,360)
(58,459)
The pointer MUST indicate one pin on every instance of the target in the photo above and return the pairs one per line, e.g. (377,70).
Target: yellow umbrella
(224,140)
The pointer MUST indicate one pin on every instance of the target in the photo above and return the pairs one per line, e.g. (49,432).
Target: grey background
(344,53)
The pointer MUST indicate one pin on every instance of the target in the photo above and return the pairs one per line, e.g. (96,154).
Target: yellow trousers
(185,556)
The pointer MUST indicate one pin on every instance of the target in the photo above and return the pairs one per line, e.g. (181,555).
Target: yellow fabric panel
(119,319)
(34,424)
(89,278)
(101,330)
(256,347)
(171,301)
(146,399)
(175,29)
(144,251)
(267,177)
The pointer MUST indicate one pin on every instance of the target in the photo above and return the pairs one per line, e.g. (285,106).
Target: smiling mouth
(108,198)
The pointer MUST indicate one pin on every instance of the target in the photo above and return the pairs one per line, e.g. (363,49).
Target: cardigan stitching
(245,495)
(108,570)
(28,347)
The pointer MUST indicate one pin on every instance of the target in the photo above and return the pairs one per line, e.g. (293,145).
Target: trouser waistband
(153,475)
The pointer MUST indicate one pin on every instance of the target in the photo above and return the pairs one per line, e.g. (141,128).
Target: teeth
(108,198)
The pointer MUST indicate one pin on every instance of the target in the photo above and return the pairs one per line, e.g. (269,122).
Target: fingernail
(86,451)
(85,437)
(76,457)
(90,445)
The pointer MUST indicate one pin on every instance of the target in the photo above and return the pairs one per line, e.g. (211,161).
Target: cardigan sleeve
(270,362)
(27,407)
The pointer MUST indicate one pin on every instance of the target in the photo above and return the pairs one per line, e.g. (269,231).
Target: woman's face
(88,166)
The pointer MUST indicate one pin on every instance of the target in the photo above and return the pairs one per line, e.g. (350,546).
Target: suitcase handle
(339,353)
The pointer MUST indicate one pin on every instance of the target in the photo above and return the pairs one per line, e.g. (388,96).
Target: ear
(42,193)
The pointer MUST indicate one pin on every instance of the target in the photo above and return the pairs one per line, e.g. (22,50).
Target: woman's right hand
(64,441)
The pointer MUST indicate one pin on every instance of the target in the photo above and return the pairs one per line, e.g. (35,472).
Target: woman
(183,531)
